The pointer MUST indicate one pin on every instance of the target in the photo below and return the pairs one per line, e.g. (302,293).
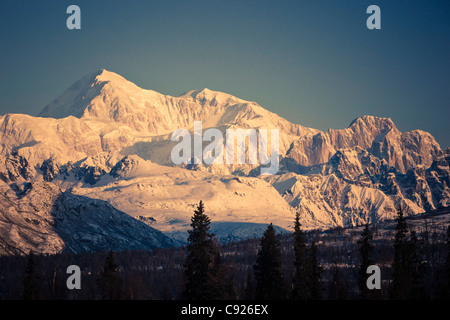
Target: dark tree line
(30,281)
(307,275)
(304,265)
(408,270)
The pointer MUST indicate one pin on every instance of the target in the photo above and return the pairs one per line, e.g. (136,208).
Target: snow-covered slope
(106,143)
(107,97)
(39,217)
(355,187)
(166,197)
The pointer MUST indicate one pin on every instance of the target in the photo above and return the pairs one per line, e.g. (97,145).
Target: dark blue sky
(312,62)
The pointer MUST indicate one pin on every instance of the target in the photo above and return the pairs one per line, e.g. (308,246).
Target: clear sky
(313,62)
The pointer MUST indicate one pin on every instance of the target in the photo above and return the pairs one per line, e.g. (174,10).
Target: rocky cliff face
(39,217)
(403,151)
(355,187)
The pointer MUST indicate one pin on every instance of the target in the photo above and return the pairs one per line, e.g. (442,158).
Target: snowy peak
(117,114)
(108,96)
(104,75)
(361,132)
(379,136)
(372,121)
(79,96)
(101,75)
(111,99)
(213,97)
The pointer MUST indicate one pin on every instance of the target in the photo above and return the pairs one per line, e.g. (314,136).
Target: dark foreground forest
(413,256)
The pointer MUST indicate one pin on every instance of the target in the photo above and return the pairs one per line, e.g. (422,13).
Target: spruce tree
(203,273)
(300,290)
(30,284)
(418,270)
(336,289)
(223,287)
(445,294)
(110,281)
(268,274)
(365,250)
(315,274)
(248,292)
(402,276)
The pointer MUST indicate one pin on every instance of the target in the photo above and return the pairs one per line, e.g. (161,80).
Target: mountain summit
(113,114)
(100,95)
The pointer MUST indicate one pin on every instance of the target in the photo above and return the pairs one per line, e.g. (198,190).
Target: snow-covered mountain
(403,151)
(40,217)
(354,187)
(106,143)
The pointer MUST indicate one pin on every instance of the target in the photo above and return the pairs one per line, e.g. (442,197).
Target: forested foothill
(413,254)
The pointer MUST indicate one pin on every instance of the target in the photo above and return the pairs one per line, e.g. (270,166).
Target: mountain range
(93,171)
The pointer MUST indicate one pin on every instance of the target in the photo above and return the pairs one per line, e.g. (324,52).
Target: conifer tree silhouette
(203,273)
(365,250)
(300,290)
(110,281)
(268,275)
(30,283)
